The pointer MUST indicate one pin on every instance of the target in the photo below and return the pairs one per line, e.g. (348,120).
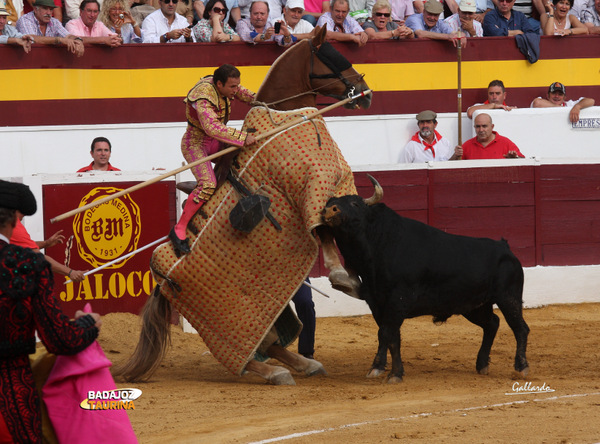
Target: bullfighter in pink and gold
(207,108)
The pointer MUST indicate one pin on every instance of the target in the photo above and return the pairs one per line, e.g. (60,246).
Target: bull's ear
(377,194)
(320,35)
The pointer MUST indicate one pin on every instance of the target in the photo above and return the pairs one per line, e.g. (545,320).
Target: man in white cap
(427,145)
(463,21)
(293,22)
(9,34)
(48,30)
(428,24)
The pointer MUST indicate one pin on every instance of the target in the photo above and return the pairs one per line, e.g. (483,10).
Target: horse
(234,287)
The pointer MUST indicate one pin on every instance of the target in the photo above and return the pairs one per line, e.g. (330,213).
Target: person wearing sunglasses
(166,26)
(464,20)
(212,27)
(504,21)
(381,25)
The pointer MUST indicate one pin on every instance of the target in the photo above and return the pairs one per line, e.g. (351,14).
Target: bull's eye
(354,204)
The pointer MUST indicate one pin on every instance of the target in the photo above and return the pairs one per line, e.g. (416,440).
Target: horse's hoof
(375,373)
(520,374)
(315,368)
(281,376)
(391,379)
(484,371)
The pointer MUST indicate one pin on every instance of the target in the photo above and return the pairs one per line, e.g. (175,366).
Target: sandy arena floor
(193,399)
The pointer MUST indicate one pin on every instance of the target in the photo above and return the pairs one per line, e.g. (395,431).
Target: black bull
(410,269)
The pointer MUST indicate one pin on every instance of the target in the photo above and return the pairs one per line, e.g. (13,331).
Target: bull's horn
(377,195)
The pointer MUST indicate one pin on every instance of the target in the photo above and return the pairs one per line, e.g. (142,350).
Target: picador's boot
(178,232)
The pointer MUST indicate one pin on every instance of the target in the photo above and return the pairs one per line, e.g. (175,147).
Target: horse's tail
(155,336)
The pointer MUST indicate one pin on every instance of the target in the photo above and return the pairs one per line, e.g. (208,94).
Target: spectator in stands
(233,12)
(427,145)
(532,9)
(292,20)
(579,6)
(314,9)
(46,29)
(29,5)
(482,8)
(464,20)
(166,26)
(496,99)
(487,144)
(340,26)
(381,25)
(360,10)
(126,27)
(89,28)
(10,35)
(504,21)
(185,8)
(100,152)
(212,27)
(259,28)
(275,9)
(557,94)
(558,21)
(428,24)
(401,9)
(591,18)
(143,8)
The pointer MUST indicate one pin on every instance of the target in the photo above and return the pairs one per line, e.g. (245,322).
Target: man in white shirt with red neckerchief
(427,145)
(557,94)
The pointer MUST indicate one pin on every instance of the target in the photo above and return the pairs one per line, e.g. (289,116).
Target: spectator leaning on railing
(46,29)
(556,97)
(89,28)
(117,17)
(212,27)
(558,21)
(591,18)
(9,34)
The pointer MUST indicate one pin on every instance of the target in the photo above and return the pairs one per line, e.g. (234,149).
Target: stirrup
(180,246)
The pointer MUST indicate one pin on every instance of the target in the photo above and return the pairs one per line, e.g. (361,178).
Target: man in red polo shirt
(488,144)
(101,151)
(496,93)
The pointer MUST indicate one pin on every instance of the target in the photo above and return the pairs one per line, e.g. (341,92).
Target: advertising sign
(104,233)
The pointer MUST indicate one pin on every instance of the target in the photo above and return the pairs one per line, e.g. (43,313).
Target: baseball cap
(557,86)
(291,4)
(467,6)
(434,7)
(427,115)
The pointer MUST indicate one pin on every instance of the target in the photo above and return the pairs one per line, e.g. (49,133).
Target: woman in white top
(558,21)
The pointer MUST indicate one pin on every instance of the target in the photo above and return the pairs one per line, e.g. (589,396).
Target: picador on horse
(228,270)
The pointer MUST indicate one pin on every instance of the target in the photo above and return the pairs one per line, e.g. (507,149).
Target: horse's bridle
(337,63)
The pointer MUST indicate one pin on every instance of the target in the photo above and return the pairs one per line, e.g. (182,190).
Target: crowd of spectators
(75,23)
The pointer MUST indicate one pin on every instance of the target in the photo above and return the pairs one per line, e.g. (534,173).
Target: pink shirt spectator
(78,28)
(313,5)
(401,9)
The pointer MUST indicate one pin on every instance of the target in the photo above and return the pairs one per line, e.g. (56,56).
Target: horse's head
(308,68)
(331,74)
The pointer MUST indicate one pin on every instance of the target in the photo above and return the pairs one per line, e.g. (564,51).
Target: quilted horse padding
(233,286)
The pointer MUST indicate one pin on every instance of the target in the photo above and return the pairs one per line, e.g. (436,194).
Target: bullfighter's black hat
(16,196)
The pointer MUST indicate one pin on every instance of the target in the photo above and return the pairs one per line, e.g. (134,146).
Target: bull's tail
(155,336)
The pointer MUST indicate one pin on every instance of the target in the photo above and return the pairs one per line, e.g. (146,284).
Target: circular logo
(108,231)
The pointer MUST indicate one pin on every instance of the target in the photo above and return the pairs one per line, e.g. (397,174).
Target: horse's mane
(288,53)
